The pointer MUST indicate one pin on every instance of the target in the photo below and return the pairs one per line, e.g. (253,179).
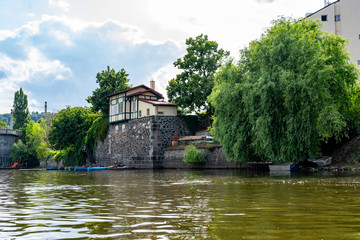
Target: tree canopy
(290,89)
(68,132)
(3,125)
(21,111)
(109,82)
(191,88)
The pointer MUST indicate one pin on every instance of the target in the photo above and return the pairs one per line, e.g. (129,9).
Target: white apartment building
(342,18)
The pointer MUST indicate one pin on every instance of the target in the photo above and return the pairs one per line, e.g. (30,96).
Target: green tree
(21,153)
(3,125)
(191,88)
(69,129)
(37,135)
(21,111)
(290,90)
(109,82)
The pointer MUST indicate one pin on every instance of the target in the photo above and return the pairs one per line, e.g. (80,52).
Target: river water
(169,204)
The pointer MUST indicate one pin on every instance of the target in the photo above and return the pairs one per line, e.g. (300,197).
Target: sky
(53,49)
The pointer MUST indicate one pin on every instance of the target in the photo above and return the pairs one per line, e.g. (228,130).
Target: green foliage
(97,131)
(109,82)
(21,111)
(190,89)
(5,118)
(67,156)
(192,155)
(37,139)
(290,89)
(21,153)
(68,131)
(36,116)
(191,122)
(3,125)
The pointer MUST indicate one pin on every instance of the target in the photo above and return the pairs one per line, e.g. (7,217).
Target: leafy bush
(97,131)
(21,153)
(192,155)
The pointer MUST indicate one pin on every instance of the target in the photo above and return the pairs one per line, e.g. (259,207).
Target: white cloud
(4,34)
(18,71)
(163,76)
(62,4)
(62,36)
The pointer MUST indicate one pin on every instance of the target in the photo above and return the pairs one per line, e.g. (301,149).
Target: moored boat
(97,168)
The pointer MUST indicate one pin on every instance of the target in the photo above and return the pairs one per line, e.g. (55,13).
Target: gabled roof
(157,103)
(137,93)
(149,90)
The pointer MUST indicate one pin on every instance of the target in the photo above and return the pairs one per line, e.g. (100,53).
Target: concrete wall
(7,139)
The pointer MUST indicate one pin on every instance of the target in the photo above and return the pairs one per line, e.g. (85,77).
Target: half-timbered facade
(137,102)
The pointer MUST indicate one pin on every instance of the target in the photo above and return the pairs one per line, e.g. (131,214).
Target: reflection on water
(176,205)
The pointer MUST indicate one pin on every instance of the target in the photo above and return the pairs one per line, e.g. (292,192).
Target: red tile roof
(157,103)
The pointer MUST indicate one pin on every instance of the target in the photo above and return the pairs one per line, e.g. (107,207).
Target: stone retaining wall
(139,143)
(215,158)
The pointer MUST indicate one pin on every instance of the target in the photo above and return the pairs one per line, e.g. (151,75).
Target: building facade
(342,18)
(138,102)
(141,126)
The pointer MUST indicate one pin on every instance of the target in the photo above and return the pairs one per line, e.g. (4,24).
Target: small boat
(119,168)
(51,168)
(284,167)
(79,169)
(97,168)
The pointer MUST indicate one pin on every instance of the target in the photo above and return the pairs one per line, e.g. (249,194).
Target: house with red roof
(139,102)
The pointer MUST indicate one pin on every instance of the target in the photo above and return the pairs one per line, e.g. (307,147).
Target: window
(324,18)
(161,113)
(120,108)
(113,109)
(359,36)
(148,111)
(337,18)
(140,113)
(358,62)
(134,105)
(123,128)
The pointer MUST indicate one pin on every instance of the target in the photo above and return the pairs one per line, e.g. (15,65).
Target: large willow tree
(290,89)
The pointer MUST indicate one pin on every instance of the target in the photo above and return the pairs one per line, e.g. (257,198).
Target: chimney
(45,108)
(152,84)
(11,119)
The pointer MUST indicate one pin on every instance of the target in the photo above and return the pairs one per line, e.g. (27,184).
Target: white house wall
(348,26)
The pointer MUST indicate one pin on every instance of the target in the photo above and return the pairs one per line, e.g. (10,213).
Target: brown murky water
(176,205)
